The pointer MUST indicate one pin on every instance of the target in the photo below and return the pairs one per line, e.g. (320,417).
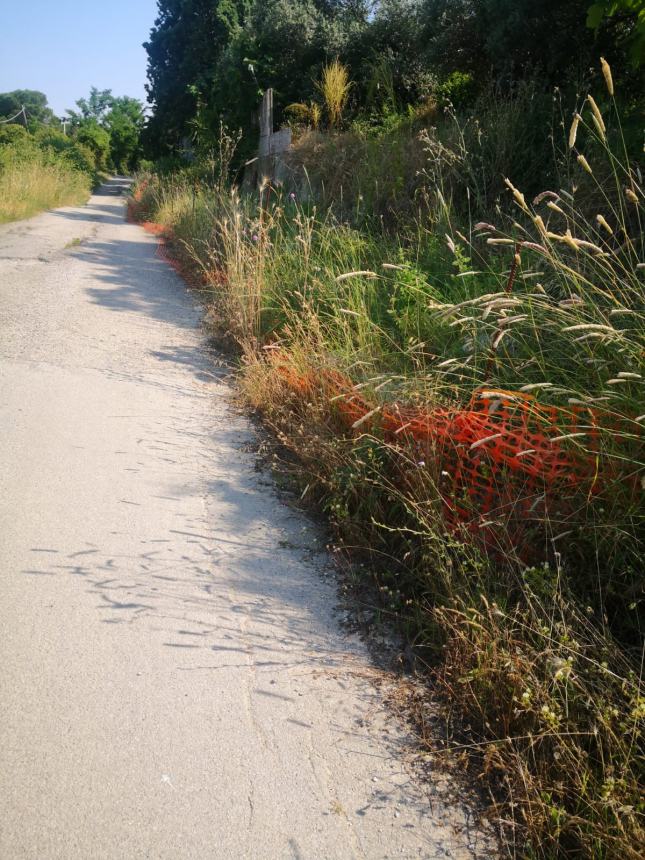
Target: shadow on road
(136,280)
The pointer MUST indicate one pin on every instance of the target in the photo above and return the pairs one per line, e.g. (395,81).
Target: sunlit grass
(543,299)
(31,186)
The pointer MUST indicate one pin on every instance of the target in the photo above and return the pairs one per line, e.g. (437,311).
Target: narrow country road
(174,681)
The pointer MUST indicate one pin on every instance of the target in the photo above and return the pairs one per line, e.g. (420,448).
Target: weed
(334,87)
(374,353)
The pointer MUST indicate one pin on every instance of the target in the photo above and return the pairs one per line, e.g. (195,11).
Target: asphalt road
(174,680)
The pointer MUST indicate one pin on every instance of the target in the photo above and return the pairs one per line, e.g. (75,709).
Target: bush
(75,154)
(97,140)
(457,90)
(41,171)
(12,134)
(31,182)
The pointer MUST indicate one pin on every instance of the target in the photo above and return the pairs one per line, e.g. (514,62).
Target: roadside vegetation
(41,171)
(44,164)
(440,314)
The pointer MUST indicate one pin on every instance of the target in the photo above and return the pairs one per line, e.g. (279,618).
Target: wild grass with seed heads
(29,186)
(543,297)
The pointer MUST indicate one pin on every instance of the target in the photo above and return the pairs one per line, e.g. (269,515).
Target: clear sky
(63,47)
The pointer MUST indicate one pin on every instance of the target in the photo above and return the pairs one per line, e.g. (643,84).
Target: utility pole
(65,123)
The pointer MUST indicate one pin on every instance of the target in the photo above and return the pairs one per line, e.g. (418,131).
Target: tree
(124,122)
(209,61)
(110,126)
(97,139)
(386,58)
(93,108)
(34,102)
(185,44)
(508,40)
(214,58)
(632,14)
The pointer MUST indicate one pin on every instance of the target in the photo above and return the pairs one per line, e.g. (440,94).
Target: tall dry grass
(29,186)
(540,657)
(334,87)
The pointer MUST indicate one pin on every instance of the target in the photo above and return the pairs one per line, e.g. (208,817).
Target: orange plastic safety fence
(506,462)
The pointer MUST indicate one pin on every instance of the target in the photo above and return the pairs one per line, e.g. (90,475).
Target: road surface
(174,682)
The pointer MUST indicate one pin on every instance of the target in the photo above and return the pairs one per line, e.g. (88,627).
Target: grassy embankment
(458,368)
(41,171)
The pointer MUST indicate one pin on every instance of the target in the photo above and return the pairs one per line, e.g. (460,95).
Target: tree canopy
(107,126)
(210,60)
(111,126)
(34,103)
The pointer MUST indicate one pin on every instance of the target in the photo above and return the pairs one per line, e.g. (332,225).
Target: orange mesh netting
(162,232)
(504,462)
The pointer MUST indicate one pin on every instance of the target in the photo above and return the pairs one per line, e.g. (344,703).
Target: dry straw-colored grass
(28,187)
(334,87)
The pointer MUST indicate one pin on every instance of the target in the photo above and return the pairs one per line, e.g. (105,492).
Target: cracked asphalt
(175,681)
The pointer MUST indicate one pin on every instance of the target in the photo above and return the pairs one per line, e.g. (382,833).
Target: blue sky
(63,47)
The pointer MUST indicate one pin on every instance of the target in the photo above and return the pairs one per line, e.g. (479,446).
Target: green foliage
(124,122)
(631,14)
(47,146)
(40,171)
(97,139)
(71,150)
(200,52)
(11,133)
(299,113)
(93,108)
(188,39)
(40,166)
(509,39)
(34,102)
(210,60)
(386,59)
(457,89)
(50,159)
(107,129)
(111,126)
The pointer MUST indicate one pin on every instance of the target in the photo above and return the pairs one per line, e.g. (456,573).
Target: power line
(21,111)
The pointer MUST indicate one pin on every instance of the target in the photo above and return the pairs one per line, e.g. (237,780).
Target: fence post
(266,123)
(268,166)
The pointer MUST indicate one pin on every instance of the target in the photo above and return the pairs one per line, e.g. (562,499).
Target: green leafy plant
(634,9)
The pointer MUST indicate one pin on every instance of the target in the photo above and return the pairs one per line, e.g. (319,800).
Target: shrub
(458,89)
(12,134)
(41,171)
(31,181)
(75,154)
(97,140)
